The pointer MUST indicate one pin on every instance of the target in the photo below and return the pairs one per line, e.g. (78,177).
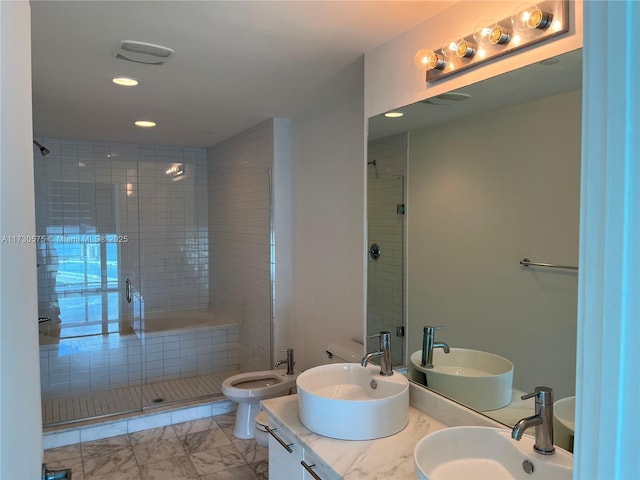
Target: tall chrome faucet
(429,343)
(384,353)
(542,420)
(289,361)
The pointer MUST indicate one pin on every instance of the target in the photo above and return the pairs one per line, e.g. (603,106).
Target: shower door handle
(374,251)
(127,290)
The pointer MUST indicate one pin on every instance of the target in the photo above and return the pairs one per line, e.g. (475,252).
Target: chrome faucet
(542,420)
(384,353)
(429,343)
(289,361)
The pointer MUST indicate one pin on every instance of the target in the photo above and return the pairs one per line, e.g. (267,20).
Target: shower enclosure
(123,280)
(386,227)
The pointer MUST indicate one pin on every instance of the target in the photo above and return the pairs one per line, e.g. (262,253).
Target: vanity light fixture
(145,123)
(529,24)
(125,81)
(394,114)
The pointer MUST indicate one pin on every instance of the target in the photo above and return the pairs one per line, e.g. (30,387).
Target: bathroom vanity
(389,457)
(384,458)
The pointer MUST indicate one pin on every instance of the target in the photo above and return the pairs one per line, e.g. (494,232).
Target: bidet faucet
(289,361)
(428,344)
(384,353)
(542,420)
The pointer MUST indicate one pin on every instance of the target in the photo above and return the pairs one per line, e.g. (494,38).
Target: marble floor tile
(203,449)
(215,460)
(206,440)
(243,472)
(101,447)
(110,461)
(151,452)
(129,473)
(62,453)
(193,426)
(261,469)
(176,468)
(226,423)
(250,450)
(152,435)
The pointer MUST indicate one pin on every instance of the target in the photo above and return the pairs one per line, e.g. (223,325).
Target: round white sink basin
(478,379)
(564,415)
(351,402)
(475,453)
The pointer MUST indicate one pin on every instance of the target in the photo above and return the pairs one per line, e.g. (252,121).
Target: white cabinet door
(284,464)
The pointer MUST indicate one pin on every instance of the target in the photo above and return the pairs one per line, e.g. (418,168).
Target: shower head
(372,162)
(43,150)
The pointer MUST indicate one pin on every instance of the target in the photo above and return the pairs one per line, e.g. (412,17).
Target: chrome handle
(308,468)
(374,251)
(543,395)
(427,328)
(287,446)
(127,290)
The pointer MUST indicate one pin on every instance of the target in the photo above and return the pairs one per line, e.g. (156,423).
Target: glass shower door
(87,218)
(385,268)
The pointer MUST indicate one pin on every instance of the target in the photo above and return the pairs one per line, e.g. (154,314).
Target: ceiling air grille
(141,52)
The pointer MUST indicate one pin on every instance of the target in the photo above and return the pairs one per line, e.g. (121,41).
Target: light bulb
(427,59)
(528,16)
(489,32)
(459,48)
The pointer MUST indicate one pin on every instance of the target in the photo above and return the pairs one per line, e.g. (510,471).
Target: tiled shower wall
(240,236)
(386,276)
(105,188)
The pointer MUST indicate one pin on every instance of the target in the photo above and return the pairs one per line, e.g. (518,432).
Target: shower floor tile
(127,399)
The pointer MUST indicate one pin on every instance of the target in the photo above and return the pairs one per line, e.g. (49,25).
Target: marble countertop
(383,458)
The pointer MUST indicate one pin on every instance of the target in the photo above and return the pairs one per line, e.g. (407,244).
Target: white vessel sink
(564,415)
(351,402)
(486,453)
(478,379)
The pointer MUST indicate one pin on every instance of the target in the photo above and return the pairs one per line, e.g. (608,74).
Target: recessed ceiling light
(393,114)
(125,81)
(145,123)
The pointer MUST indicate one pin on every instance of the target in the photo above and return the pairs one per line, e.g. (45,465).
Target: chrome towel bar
(528,263)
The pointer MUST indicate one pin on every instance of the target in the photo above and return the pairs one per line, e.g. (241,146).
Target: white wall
(328,142)
(391,79)
(476,208)
(20,418)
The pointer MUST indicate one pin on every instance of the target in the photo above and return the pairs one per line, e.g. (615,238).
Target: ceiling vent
(447,98)
(141,52)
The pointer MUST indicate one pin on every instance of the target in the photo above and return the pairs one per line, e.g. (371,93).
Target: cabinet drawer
(285,454)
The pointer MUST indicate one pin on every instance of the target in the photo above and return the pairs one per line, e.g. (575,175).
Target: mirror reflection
(473,182)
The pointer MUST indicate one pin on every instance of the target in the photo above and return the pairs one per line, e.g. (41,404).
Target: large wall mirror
(461,189)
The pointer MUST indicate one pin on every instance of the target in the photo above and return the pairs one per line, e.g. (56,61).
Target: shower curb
(62,435)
